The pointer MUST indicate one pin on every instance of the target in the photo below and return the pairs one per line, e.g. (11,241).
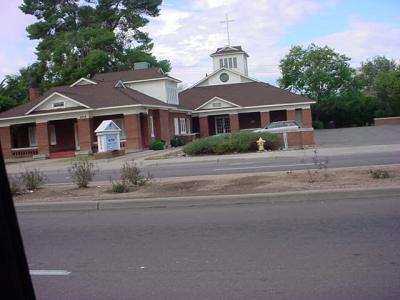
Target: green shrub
(230,143)
(318,124)
(177,142)
(119,187)
(33,180)
(157,145)
(82,172)
(379,174)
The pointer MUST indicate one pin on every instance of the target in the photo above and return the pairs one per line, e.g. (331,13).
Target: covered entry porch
(234,121)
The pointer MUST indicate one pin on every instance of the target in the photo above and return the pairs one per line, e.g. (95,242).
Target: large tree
(370,71)
(316,72)
(80,38)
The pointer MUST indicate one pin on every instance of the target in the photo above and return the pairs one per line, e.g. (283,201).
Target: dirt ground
(341,178)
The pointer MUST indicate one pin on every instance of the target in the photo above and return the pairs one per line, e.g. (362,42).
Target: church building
(144,103)
(229,100)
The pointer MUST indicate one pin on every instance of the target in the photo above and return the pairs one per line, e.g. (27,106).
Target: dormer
(231,57)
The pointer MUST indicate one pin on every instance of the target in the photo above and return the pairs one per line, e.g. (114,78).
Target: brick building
(145,104)
(229,100)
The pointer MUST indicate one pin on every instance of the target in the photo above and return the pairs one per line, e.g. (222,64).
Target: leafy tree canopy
(371,69)
(316,72)
(387,86)
(80,38)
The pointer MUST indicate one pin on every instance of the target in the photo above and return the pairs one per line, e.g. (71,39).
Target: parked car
(280,126)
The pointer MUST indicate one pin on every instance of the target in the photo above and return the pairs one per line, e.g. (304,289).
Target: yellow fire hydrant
(260,144)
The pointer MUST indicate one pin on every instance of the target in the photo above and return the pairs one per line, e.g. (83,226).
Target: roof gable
(216,103)
(213,78)
(107,126)
(54,101)
(82,81)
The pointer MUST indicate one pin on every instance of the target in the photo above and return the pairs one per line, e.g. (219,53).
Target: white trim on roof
(48,97)
(220,99)
(82,79)
(252,107)
(227,70)
(154,79)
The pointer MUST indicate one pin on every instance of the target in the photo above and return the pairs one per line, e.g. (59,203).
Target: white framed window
(225,62)
(182,125)
(59,104)
(32,136)
(176,126)
(120,124)
(152,126)
(230,63)
(221,62)
(235,62)
(53,137)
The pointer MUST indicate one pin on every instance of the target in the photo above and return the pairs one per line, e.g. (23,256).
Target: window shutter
(53,137)
(32,136)
(176,124)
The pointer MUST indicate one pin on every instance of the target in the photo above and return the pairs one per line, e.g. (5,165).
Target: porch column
(204,128)
(290,114)
(85,135)
(234,122)
(132,133)
(164,125)
(5,140)
(307,119)
(264,119)
(146,131)
(42,137)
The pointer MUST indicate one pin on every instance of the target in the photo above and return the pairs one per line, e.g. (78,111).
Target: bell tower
(231,57)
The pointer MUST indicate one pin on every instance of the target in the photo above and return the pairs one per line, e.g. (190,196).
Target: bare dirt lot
(223,185)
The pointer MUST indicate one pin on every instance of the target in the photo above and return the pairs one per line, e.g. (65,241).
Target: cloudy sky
(186,32)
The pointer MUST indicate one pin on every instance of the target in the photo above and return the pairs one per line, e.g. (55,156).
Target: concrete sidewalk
(142,158)
(214,200)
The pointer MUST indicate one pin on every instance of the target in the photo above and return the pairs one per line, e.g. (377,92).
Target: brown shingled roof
(228,49)
(100,95)
(131,75)
(242,94)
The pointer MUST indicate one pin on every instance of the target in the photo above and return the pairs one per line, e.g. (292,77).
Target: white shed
(108,136)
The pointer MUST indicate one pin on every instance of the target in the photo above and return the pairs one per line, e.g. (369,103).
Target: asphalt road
(336,249)
(236,166)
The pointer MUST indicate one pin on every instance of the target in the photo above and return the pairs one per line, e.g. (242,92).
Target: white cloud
(364,40)
(258,27)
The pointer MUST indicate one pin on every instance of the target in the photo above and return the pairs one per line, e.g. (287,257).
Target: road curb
(212,200)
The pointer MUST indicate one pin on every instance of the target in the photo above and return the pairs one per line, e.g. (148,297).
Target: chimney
(34,93)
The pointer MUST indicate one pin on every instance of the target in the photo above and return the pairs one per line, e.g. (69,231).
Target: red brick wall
(164,129)
(85,129)
(204,130)
(290,114)
(297,138)
(387,121)
(264,119)
(307,118)
(146,130)
(234,122)
(42,136)
(5,140)
(133,132)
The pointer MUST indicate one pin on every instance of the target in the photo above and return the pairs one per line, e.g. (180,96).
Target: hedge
(230,143)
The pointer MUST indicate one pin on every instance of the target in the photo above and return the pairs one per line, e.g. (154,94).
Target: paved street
(334,249)
(237,166)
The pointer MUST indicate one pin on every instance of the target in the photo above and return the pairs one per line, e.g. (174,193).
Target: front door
(222,125)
